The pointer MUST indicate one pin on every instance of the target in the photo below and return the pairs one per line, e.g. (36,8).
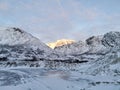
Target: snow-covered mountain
(16,44)
(15,36)
(94,44)
(60,43)
(101,52)
(109,62)
(92,47)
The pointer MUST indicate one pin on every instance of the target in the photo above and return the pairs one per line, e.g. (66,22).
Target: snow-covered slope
(16,44)
(15,36)
(109,62)
(74,48)
(41,79)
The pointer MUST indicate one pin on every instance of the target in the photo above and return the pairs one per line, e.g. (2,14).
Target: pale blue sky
(50,20)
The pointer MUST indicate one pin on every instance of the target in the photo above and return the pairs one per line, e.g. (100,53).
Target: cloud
(77,9)
(3,6)
(90,14)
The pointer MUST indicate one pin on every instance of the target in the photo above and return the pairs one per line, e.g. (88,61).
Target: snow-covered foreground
(41,79)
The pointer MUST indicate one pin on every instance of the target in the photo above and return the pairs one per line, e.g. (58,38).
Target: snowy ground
(41,79)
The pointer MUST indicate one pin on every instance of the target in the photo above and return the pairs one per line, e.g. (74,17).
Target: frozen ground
(42,79)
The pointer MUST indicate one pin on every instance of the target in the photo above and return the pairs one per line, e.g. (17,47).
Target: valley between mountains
(26,63)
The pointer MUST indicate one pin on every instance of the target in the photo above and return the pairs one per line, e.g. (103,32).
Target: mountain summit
(60,43)
(15,36)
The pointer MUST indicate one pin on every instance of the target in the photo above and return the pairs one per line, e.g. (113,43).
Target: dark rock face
(94,40)
(111,39)
(18,29)
(90,40)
